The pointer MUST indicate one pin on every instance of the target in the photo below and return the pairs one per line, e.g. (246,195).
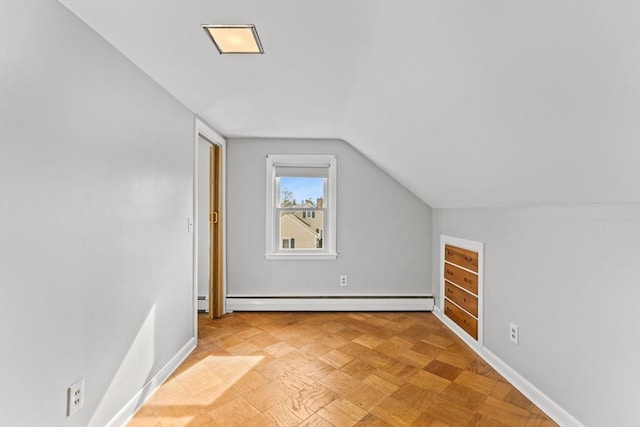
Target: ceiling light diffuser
(234,38)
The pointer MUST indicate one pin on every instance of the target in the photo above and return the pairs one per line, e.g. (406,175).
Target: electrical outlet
(75,397)
(343,280)
(514,333)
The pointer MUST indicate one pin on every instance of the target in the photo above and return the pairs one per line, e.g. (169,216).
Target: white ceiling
(467,103)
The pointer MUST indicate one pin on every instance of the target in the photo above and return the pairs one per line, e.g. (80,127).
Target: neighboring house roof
(299,222)
(306,205)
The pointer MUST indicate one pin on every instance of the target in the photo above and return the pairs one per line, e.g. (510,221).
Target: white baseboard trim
(541,400)
(392,303)
(128,411)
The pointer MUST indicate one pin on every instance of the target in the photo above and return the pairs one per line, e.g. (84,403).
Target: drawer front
(461,277)
(462,257)
(462,298)
(462,319)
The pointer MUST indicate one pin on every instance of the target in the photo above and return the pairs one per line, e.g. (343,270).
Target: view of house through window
(301,212)
(301,206)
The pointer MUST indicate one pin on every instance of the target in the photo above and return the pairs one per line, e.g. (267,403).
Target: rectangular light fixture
(234,38)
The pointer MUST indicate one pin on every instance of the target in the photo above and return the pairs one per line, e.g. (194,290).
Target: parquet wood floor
(334,369)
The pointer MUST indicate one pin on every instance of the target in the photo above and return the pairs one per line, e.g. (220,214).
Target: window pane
(304,192)
(302,228)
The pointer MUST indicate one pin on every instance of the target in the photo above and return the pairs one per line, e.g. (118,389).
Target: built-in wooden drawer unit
(462,278)
(461,297)
(461,318)
(461,257)
(461,286)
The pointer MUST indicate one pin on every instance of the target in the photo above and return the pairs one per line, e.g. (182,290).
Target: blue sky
(303,188)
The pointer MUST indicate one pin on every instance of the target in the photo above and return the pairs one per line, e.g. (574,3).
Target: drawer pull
(449,290)
(449,253)
(467,280)
(449,272)
(468,259)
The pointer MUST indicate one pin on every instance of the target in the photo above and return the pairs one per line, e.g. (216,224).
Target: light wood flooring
(335,369)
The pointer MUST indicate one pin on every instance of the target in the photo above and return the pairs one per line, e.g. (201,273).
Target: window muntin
(301,192)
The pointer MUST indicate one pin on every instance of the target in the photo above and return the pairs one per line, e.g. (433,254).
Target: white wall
(383,231)
(96,164)
(569,276)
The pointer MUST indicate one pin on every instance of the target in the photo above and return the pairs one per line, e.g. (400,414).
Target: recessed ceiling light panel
(234,38)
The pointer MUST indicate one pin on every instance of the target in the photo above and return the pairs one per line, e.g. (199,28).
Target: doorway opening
(209,274)
(209,229)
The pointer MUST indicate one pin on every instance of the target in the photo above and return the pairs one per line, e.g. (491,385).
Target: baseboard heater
(203,303)
(330,303)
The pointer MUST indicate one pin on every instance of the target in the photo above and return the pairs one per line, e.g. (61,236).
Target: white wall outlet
(75,397)
(343,280)
(514,333)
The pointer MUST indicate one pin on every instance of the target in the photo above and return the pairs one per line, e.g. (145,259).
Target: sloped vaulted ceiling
(467,103)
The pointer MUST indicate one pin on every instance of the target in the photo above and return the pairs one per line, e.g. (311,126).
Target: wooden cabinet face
(461,283)
(464,299)
(462,319)
(461,257)
(462,278)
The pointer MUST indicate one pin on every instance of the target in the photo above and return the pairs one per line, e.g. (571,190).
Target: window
(301,208)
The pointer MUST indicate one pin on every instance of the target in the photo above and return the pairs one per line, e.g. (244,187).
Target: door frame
(202,129)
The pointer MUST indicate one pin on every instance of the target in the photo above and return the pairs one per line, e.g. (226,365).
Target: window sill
(303,256)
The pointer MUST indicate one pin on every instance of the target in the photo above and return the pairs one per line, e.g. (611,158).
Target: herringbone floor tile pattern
(335,369)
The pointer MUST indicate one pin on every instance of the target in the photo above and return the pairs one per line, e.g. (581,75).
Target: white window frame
(273,251)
